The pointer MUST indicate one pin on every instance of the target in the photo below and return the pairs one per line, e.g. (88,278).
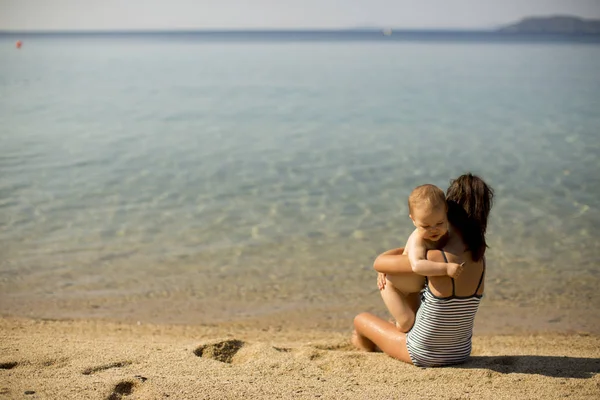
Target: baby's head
(428,211)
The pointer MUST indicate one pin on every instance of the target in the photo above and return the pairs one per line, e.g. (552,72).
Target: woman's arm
(392,262)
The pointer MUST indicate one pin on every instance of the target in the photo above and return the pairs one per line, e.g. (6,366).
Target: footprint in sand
(59,362)
(8,365)
(221,351)
(93,370)
(121,389)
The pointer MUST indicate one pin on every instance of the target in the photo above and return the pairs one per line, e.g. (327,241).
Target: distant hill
(555,24)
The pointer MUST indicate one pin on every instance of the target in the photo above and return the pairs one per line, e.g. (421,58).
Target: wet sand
(96,359)
(327,314)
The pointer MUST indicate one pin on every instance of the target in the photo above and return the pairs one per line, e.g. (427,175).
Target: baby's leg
(401,297)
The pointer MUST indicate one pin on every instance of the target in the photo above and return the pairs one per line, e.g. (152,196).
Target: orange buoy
(19,44)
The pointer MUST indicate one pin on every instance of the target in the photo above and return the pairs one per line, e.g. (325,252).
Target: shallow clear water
(265,175)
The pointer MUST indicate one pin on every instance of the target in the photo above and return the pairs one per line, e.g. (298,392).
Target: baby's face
(432,223)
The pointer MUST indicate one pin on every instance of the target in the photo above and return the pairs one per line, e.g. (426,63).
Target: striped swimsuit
(443,327)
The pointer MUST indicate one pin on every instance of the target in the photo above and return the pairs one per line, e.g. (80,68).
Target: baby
(428,211)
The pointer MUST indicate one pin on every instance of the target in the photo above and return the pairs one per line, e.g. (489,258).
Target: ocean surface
(231,177)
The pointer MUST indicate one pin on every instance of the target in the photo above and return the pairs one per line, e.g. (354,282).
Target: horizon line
(364,28)
(383,31)
(245,30)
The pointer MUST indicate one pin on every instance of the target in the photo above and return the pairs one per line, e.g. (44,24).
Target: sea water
(266,175)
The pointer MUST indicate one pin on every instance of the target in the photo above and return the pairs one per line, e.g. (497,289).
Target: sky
(52,15)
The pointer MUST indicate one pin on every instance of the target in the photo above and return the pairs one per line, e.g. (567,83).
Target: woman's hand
(381,280)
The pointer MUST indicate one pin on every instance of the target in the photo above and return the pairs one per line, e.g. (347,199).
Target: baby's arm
(417,255)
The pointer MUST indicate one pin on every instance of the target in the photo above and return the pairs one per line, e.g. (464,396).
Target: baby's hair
(427,195)
(470,200)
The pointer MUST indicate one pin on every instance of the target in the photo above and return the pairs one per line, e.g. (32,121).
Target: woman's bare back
(466,284)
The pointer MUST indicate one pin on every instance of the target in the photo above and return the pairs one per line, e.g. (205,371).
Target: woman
(443,325)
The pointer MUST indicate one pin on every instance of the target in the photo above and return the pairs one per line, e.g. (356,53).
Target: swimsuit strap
(453,287)
(445,258)
(480,279)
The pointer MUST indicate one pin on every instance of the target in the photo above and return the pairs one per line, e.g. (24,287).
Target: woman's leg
(371,331)
(402,299)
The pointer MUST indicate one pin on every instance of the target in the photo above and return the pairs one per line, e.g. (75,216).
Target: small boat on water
(387,32)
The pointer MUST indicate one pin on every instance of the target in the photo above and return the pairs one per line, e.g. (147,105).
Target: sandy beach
(95,359)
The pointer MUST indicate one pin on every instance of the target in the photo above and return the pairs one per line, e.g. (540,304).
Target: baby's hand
(381,280)
(454,270)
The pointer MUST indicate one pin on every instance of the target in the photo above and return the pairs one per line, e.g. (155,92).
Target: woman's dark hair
(469,201)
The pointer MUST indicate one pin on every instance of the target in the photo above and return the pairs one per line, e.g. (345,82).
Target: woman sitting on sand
(443,315)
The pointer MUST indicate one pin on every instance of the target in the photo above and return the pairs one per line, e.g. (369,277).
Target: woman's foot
(361,342)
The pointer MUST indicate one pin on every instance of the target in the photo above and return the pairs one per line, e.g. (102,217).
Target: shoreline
(493,318)
(95,359)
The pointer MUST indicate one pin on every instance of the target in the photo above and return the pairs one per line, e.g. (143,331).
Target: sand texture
(41,359)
